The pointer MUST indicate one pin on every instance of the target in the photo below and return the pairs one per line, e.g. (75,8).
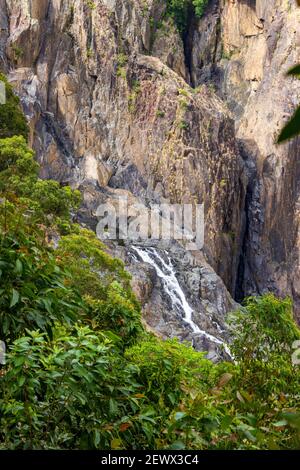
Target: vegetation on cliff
(80,370)
(179,10)
(12,120)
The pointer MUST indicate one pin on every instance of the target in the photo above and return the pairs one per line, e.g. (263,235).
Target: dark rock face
(106,91)
(260,42)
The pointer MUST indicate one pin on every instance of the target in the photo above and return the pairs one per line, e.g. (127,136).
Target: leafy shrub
(119,312)
(103,283)
(12,119)
(80,391)
(74,392)
(265,326)
(263,335)
(19,178)
(33,291)
(16,157)
(179,10)
(88,262)
(164,367)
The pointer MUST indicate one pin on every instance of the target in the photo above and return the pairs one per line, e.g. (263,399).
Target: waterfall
(165,271)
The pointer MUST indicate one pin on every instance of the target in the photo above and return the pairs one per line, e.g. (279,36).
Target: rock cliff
(120,103)
(245,48)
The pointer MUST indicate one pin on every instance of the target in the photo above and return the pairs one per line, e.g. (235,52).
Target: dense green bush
(103,282)
(119,312)
(179,10)
(80,391)
(74,392)
(265,326)
(164,368)
(85,256)
(200,6)
(33,291)
(19,178)
(12,120)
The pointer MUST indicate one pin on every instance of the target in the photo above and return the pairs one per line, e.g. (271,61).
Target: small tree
(12,119)
(263,335)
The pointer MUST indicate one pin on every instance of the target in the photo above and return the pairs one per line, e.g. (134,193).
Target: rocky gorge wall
(120,104)
(245,48)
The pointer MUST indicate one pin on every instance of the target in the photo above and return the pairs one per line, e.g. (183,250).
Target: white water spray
(165,271)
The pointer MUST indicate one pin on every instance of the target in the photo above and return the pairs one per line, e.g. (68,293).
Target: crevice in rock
(242,276)
(239,293)
(187,38)
(204,34)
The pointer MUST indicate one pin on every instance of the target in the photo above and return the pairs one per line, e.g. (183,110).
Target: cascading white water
(172,287)
(166,273)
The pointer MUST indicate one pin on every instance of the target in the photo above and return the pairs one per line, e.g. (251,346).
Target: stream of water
(166,272)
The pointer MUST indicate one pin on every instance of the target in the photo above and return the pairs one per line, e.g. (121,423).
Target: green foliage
(160,113)
(72,393)
(54,199)
(263,337)
(19,177)
(80,391)
(133,96)
(200,6)
(119,312)
(265,326)
(12,120)
(122,60)
(85,257)
(292,128)
(91,4)
(103,282)
(32,286)
(164,368)
(205,406)
(179,10)
(18,52)
(16,156)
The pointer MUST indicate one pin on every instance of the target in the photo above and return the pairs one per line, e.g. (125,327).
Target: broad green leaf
(6,322)
(294,70)
(19,361)
(97,438)
(293,419)
(292,128)
(178,445)
(21,381)
(113,406)
(19,267)
(15,298)
(180,415)
(47,304)
(281,423)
